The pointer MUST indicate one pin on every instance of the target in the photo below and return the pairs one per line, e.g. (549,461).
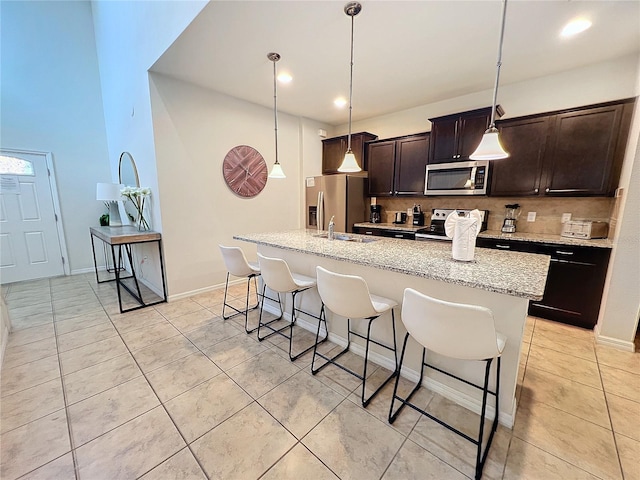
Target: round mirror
(127,171)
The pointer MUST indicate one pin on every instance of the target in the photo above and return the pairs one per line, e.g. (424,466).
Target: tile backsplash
(548,210)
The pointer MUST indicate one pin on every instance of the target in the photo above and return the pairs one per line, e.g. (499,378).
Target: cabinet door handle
(399,236)
(505,247)
(547,190)
(368,233)
(562,252)
(536,190)
(390,193)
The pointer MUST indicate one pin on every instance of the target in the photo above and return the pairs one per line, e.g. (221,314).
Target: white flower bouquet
(137,196)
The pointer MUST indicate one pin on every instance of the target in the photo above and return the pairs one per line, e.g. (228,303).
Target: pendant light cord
(498,65)
(350,86)
(275,107)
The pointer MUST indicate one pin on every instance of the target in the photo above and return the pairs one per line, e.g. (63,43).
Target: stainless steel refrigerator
(339,196)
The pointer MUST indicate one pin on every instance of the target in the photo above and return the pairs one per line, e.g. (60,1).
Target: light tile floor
(172,391)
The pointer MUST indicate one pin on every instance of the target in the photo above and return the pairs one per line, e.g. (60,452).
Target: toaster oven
(585,229)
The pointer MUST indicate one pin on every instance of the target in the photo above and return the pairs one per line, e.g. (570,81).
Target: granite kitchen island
(501,281)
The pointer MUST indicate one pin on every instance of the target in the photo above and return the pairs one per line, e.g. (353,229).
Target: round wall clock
(245,171)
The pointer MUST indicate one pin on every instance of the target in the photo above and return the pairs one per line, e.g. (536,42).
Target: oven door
(460,178)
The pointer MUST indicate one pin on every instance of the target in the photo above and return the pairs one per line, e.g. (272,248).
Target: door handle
(504,247)
(561,252)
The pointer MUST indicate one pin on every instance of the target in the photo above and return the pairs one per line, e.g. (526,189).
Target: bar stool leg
(404,401)
(260,323)
(366,401)
(245,312)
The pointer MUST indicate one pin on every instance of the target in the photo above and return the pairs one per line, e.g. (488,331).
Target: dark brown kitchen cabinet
(576,152)
(455,137)
(380,166)
(333,150)
(586,150)
(397,166)
(525,140)
(575,282)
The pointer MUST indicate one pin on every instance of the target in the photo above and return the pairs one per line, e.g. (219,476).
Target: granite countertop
(512,273)
(401,227)
(547,238)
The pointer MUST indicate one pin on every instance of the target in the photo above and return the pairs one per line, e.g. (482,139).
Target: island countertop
(512,273)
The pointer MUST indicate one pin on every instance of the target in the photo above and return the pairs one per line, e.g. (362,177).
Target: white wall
(130,36)
(620,309)
(194,129)
(51,102)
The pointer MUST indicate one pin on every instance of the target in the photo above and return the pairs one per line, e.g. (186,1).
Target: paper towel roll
(464,239)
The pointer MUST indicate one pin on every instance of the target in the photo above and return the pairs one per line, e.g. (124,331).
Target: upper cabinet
(577,152)
(333,150)
(525,141)
(397,166)
(586,150)
(455,137)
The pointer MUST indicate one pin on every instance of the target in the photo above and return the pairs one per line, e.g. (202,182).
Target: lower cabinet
(575,282)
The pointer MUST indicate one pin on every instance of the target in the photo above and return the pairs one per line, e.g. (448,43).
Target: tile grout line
(64,393)
(606,400)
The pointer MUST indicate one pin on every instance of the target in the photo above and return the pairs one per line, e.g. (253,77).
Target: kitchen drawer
(368,231)
(399,234)
(382,232)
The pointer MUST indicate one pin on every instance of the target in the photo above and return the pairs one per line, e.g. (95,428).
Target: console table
(126,236)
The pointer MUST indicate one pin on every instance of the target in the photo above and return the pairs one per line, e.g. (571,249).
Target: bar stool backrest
(345,295)
(456,330)
(235,261)
(276,274)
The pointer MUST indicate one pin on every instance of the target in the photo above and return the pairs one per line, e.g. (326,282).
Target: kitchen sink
(347,238)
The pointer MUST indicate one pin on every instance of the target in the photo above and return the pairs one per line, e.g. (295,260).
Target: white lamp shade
(490,147)
(349,164)
(277,172)
(109,192)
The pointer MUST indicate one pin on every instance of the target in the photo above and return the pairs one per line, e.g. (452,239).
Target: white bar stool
(348,296)
(237,265)
(279,279)
(456,330)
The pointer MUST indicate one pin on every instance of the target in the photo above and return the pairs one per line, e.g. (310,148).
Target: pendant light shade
(350,164)
(490,147)
(276,170)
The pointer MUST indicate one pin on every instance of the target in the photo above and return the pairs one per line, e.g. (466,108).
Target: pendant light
(349,164)
(490,147)
(276,170)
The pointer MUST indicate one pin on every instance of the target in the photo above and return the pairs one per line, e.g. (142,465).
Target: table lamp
(110,192)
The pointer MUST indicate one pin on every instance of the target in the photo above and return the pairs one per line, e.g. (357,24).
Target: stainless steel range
(435,230)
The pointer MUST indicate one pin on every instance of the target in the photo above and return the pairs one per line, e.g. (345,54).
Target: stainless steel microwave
(457,178)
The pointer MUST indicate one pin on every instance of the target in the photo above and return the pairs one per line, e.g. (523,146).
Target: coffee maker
(512,213)
(376,214)
(418,216)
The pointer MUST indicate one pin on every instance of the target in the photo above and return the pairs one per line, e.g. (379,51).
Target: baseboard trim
(466,401)
(191,293)
(613,342)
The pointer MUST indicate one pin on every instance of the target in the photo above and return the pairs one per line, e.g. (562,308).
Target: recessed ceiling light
(340,102)
(574,27)
(284,77)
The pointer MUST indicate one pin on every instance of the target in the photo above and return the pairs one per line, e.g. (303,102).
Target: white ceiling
(406,53)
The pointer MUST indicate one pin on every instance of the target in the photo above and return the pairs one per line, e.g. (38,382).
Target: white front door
(29,242)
